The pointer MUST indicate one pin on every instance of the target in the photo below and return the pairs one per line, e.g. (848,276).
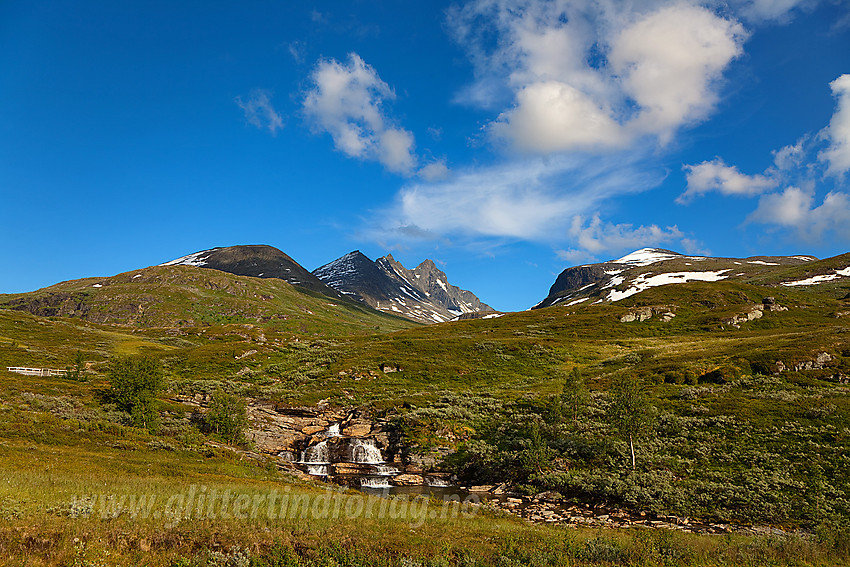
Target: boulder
(357,429)
(408,480)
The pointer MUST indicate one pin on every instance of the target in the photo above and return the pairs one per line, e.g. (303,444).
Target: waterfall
(333,430)
(434,481)
(364,451)
(317,470)
(374,483)
(385,470)
(317,454)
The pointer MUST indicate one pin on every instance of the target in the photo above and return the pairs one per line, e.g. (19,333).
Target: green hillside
(729,435)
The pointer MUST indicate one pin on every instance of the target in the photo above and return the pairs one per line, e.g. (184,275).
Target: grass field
(730,438)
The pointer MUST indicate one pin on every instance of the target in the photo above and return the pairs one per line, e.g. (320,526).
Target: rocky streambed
(350,448)
(347,447)
(551,508)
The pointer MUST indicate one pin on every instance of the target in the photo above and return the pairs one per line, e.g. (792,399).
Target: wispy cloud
(347,101)
(260,112)
(525,199)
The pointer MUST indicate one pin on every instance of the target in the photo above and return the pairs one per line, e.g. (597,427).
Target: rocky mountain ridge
(614,280)
(422,294)
(258,261)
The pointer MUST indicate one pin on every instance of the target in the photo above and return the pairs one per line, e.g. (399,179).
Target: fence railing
(36,371)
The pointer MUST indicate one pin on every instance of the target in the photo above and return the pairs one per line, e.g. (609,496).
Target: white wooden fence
(36,371)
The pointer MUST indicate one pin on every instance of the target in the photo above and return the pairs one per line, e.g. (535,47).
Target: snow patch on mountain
(646,256)
(646,281)
(196,259)
(823,278)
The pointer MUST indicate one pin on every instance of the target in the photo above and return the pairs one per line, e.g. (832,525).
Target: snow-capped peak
(196,259)
(646,256)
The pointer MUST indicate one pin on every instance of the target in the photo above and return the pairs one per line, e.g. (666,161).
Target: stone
(357,429)
(312,429)
(408,480)
(481,488)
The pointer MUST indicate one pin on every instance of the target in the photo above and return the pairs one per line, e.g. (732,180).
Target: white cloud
(791,156)
(259,111)
(346,101)
(715,175)
(593,75)
(669,62)
(838,131)
(770,10)
(296,50)
(597,236)
(553,116)
(530,199)
(793,208)
(435,171)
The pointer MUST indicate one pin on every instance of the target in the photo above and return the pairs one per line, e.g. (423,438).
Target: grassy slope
(56,426)
(184,296)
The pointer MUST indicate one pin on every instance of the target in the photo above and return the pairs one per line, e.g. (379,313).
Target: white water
(316,455)
(318,470)
(385,470)
(333,431)
(374,483)
(364,451)
(433,481)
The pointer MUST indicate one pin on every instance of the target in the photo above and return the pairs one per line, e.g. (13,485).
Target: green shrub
(136,382)
(227,416)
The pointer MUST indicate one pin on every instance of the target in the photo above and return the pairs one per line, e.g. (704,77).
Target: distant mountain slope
(651,267)
(422,294)
(258,261)
(184,296)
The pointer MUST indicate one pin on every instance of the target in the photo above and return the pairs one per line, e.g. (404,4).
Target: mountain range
(367,291)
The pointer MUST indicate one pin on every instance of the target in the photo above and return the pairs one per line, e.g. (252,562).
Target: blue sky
(504,139)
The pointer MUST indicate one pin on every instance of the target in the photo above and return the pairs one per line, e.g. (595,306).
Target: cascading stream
(316,455)
(364,451)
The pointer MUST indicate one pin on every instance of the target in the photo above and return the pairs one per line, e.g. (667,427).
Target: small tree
(75,372)
(227,416)
(136,382)
(574,395)
(629,410)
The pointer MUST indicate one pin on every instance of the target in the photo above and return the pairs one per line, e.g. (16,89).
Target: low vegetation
(689,417)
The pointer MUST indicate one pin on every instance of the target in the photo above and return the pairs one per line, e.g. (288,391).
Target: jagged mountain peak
(422,294)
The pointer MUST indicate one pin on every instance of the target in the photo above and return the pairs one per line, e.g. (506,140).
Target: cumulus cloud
(594,75)
(799,169)
(346,101)
(670,60)
(597,236)
(790,157)
(838,132)
(260,112)
(435,171)
(793,208)
(715,175)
